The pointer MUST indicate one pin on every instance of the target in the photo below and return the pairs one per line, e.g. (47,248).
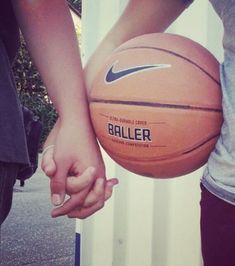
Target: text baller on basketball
(128,133)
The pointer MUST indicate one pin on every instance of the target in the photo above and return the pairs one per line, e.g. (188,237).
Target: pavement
(29,236)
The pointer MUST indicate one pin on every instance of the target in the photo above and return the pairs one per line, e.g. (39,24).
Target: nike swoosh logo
(112,75)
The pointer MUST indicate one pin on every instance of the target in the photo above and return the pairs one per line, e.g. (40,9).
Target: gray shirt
(219,175)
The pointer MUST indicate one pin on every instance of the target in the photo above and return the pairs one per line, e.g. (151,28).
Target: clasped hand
(79,175)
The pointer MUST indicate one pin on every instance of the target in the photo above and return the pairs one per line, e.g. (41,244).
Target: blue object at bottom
(78,250)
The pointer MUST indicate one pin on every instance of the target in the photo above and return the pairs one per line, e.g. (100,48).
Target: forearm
(139,17)
(142,17)
(49,32)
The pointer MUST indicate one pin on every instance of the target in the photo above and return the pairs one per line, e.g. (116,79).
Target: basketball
(155,105)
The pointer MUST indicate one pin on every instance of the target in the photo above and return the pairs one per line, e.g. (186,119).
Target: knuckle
(100,194)
(78,201)
(88,180)
(47,172)
(56,184)
(100,205)
(83,216)
(71,216)
(43,165)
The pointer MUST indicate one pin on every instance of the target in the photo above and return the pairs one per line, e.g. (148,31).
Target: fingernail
(56,199)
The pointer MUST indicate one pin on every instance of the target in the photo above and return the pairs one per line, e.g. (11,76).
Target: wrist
(74,111)
(78,121)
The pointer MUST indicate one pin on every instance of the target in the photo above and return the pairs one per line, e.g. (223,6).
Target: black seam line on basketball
(159,105)
(176,54)
(201,144)
(126,157)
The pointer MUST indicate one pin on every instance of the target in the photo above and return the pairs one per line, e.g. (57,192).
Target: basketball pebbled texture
(156,105)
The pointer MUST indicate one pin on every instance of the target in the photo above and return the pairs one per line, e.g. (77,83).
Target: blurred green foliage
(32,92)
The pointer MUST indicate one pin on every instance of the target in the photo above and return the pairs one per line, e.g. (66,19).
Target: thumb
(48,164)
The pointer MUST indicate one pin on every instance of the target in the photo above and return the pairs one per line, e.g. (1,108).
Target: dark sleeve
(188,2)
(9,30)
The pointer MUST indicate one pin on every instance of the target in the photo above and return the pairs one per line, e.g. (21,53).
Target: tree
(31,90)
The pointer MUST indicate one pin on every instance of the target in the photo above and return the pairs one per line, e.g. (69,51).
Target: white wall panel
(147,222)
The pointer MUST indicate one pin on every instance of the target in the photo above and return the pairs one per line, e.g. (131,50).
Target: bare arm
(139,17)
(50,36)
(49,32)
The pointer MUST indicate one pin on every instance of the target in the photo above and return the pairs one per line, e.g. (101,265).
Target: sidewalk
(29,236)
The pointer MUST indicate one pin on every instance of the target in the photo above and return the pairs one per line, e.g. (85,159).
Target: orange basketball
(156,105)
